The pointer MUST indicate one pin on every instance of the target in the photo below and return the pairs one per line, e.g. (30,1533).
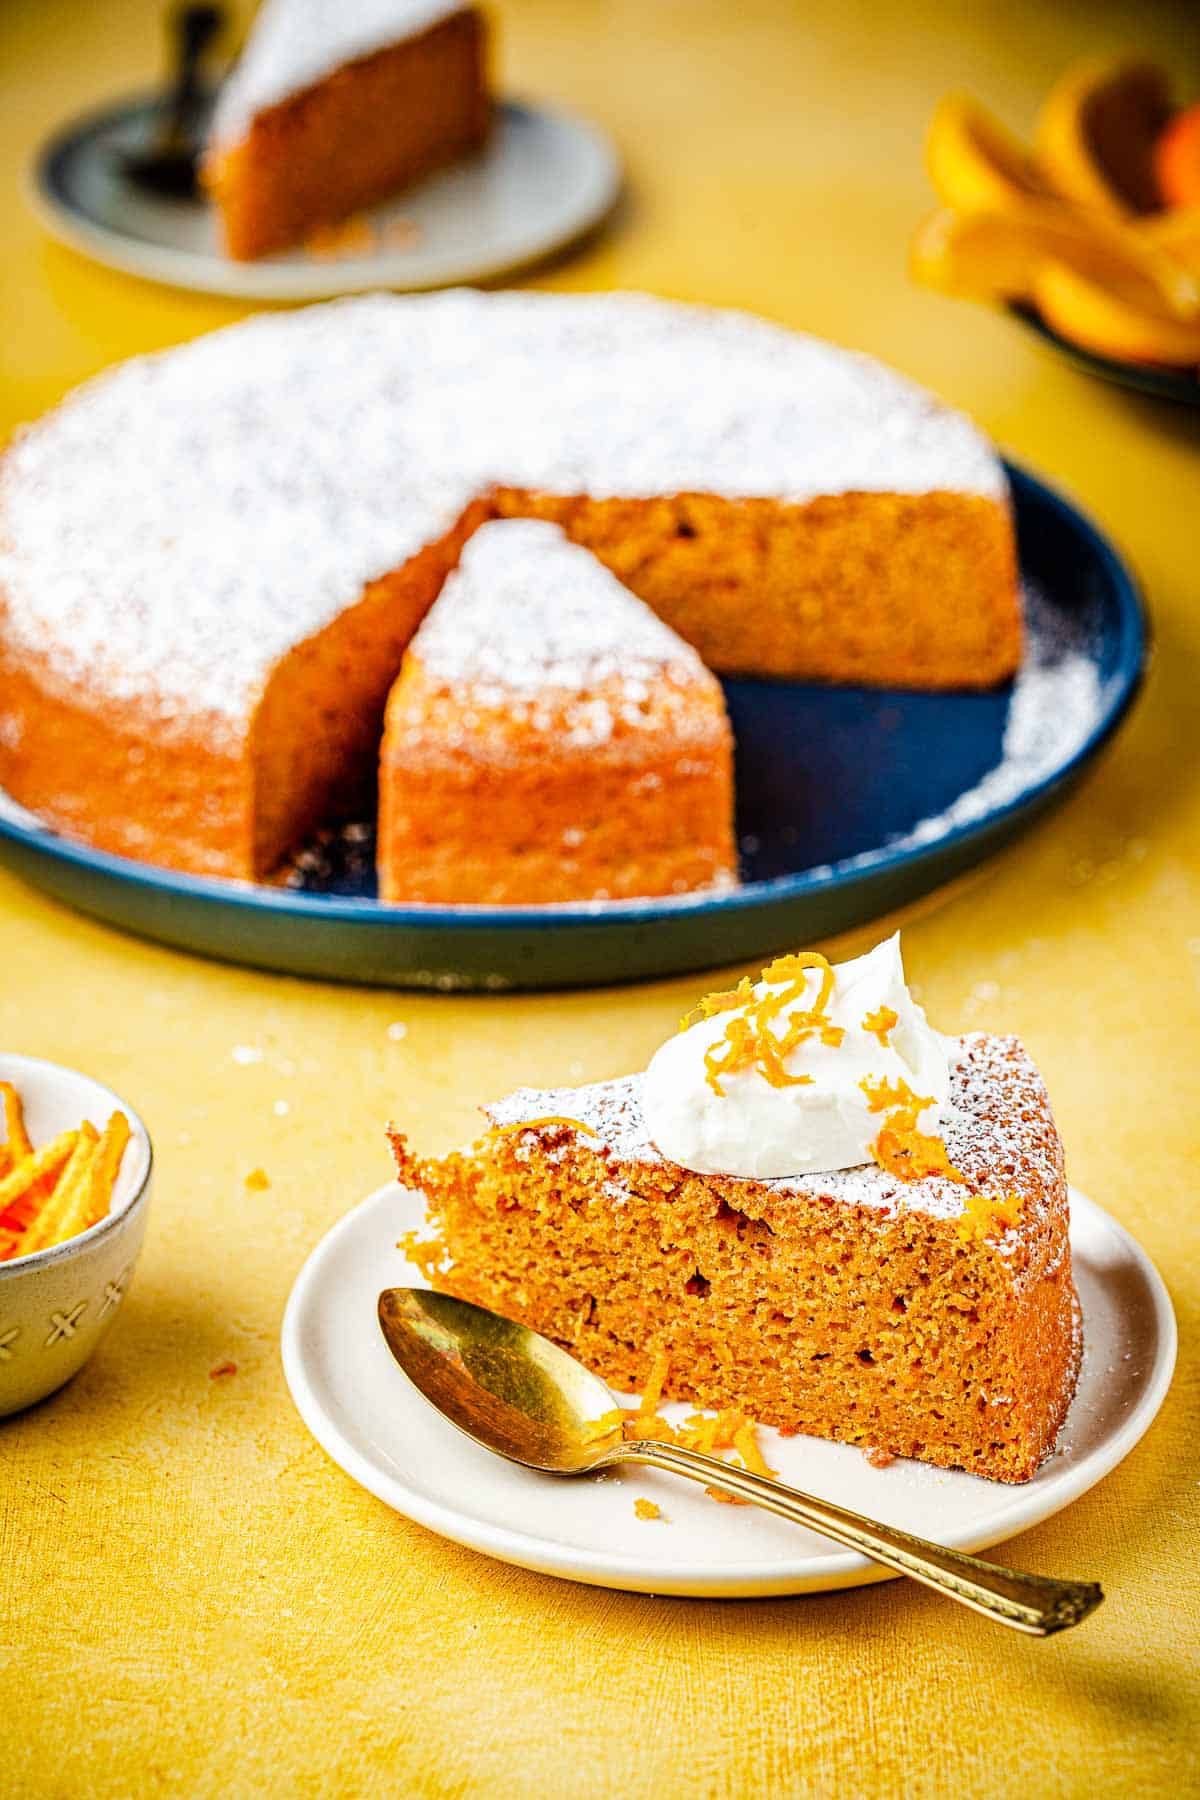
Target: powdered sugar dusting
(1056,701)
(182,522)
(998,1130)
(528,611)
(296,43)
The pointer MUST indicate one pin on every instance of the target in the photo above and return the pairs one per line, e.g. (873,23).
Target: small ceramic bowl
(57,1304)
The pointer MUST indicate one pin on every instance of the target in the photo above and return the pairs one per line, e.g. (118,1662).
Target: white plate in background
(544,178)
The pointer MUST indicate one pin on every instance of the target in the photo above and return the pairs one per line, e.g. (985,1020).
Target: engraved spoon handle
(1032,1603)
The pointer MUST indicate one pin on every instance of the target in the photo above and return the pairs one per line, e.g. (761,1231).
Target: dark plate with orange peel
(1089,233)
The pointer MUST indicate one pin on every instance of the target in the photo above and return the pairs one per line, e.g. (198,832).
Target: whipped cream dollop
(758,1129)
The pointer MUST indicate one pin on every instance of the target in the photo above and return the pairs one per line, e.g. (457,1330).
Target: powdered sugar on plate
(1057,699)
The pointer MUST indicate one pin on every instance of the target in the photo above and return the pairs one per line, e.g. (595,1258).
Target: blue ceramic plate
(851,802)
(1182,385)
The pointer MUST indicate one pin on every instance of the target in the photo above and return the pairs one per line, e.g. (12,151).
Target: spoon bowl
(506,1386)
(527,1399)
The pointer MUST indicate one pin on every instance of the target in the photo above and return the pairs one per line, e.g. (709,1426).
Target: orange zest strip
(749,1042)
(56,1192)
(660,1368)
(103,1172)
(983,1213)
(741,995)
(546,1119)
(65,1201)
(46,1161)
(902,1149)
(713,1435)
(911,1155)
(884,1096)
(16,1137)
(746,1445)
(881,1023)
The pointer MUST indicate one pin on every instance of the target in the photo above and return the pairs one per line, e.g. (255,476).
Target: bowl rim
(42,1259)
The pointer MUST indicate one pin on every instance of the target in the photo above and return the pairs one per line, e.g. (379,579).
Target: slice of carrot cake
(337,104)
(822,1210)
(550,739)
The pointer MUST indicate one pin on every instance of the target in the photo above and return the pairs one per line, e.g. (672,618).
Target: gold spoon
(518,1394)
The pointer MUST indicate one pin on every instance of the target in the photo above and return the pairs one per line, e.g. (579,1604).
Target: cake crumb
(725,1499)
(258,1181)
(878,1459)
(428,1254)
(354,236)
(222,1368)
(647,1509)
(713,1434)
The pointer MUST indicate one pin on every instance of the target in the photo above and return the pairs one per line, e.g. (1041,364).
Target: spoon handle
(1031,1603)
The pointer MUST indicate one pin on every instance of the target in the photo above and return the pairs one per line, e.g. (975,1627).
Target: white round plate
(544,178)
(362,1410)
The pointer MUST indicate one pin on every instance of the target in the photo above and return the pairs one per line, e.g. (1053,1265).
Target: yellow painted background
(192,1599)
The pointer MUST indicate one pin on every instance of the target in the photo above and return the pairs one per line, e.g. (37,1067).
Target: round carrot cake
(212,560)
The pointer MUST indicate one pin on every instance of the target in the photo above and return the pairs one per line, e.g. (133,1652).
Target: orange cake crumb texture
(59,1189)
(647,1509)
(932,1318)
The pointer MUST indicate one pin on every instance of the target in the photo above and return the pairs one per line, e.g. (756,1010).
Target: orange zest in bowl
(749,1042)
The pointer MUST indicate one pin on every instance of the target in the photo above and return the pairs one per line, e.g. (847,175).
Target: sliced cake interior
(934,1319)
(550,739)
(337,104)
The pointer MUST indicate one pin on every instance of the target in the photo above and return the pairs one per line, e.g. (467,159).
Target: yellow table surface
(193,1600)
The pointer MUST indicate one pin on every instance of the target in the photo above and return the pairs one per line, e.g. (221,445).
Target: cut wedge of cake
(337,104)
(550,739)
(931,1317)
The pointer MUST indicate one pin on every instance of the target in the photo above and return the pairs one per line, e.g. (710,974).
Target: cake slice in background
(919,1303)
(550,739)
(337,104)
